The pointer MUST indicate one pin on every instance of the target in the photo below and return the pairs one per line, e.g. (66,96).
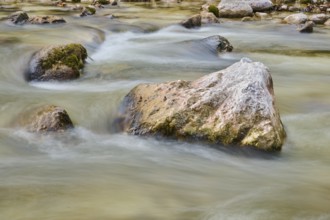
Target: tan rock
(234,106)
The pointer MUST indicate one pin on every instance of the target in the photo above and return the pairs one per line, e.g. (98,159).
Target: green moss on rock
(213,9)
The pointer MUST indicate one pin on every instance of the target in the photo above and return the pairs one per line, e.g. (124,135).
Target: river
(95,173)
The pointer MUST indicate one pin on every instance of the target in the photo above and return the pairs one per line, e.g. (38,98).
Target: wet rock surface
(234,106)
(48,118)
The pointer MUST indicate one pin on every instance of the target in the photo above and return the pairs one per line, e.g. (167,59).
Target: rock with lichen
(234,106)
(57,63)
(48,118)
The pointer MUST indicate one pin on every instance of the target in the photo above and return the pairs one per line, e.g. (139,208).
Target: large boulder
(47,118)
(234,106)
(243,8)
(57,63)
(299,18)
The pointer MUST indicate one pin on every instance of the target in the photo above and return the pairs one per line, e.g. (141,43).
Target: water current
(94,173)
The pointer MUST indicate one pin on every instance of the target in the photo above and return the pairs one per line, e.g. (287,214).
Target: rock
(262,16)
(260,5)
(243,8)
(307,27)
(209,18)
(296,18)
(327,23)
(88,10)
(318,18)
(216,44)
(248,19)
(47,118)
(47,19)
(234,8)
(234,106)
(57,63)
(19,17)
(192,22)
(283,8)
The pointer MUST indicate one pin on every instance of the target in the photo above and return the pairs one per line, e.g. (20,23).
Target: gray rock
(234,106)
(234,8)
(192,22)
(19,17)
(57,63)
(318,18)
(299,18)
(45,119)
(243,8)
(307,27)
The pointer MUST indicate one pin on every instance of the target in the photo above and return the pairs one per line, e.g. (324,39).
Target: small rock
(307,27)
(209,18)
(19,17)
(45,119)
(57,63)
(192,22)
(248,19)
(327,23)
(48,19)
(88,10)
(262,16)
(296,18)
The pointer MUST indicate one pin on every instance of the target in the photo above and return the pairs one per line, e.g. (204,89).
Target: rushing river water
(94,173)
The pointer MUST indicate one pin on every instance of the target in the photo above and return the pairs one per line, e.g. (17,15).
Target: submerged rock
(57,63)
(299,18)
(19,17)
(47,118)
(192,22)
(47,19)
(234,106)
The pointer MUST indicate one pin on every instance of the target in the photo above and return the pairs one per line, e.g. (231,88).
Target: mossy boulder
(48,118)
(234,106)
(57,63)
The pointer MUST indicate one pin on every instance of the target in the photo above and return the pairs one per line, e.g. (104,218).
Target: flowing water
(94,173)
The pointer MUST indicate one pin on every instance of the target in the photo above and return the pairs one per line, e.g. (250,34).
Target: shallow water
(93,173)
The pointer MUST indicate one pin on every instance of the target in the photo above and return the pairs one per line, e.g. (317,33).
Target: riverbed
(94,172)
